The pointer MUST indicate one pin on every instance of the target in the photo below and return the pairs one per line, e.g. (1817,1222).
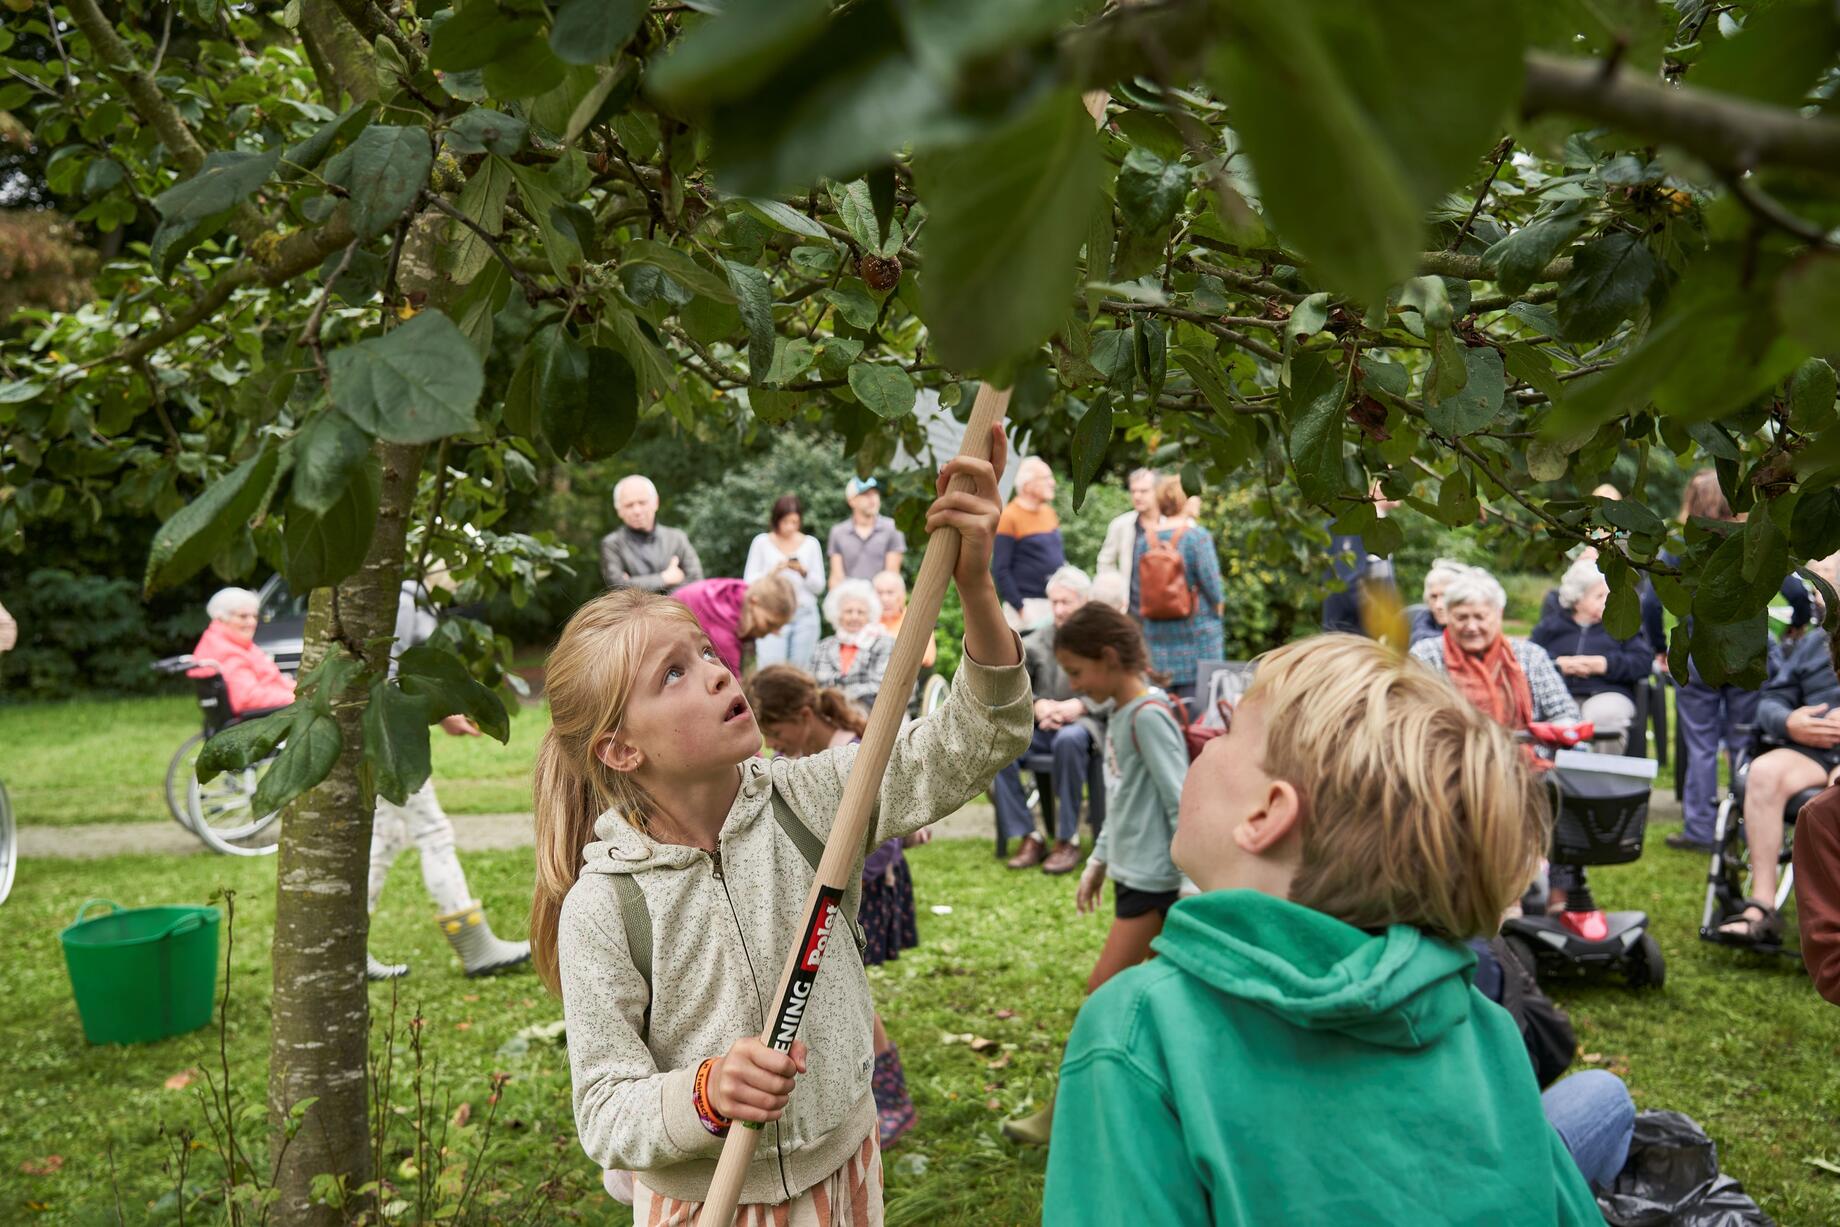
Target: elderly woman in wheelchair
(1798,755)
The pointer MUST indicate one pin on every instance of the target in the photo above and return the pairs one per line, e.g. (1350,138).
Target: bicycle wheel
(220,812)
(178,771)
(9,845)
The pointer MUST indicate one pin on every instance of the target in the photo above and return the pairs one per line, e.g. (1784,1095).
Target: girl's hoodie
(722,924)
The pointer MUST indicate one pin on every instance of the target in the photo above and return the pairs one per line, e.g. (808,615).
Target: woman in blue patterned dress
(1178,645)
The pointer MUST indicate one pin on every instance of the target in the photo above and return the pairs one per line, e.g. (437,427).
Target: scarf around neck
(1494,681)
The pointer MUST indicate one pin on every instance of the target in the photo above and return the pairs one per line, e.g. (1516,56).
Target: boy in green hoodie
(1309,1047)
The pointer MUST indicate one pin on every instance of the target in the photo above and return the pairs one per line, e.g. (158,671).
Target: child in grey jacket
(650,771)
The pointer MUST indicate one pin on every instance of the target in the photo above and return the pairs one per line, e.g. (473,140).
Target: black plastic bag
(1672,1180)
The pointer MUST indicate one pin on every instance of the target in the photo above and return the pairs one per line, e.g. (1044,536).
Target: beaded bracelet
(706,1112)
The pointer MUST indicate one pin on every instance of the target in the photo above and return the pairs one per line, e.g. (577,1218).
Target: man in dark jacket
(1600,671)
(1800,709)
(1067,725)
(643,553)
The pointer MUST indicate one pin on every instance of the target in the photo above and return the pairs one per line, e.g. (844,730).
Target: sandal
(1764,929)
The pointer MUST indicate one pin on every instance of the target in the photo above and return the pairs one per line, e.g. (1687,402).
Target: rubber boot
(1032,1130)
(481,951)
(376,970)
(894,1107)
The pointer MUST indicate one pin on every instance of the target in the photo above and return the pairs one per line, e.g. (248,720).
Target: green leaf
(1724,594)
(227,178)
(327,452)
(1210,380)
(1623,612)
(201,529)
(1811,396)
(526,69)
(1475,404)
(857,209)
(1430,297)
(792,357)
(679,266)
(1517,260)
(1630,516)
(882,188)
(1150,357)
(1092,435)
(1547,461)
(1610,279)
(631,336)
(244,744)
(783,217)
(754,299)
(323,548)
(946,33)
(543,201)
(1358,117)
(588,397)
(1778,55)
(886,391)
(1730,653)
(731,55)
(854,304)
(1008,214)
(1150,190)
(1814,530)
(1808,302)
(440,677)
(396,740)
(589,31)
(483,130)
(1313,409)
(313,746)
(306,155)
(413,384)
(382,172)
(482,199)
(475,36)
(1308,317)
(1450,368)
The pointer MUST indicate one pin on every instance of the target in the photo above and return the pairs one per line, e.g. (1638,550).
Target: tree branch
(1768,209)
(1732,135)
(1501,155)
(532,291)
(1469,268)
(1209,322)
(138,84)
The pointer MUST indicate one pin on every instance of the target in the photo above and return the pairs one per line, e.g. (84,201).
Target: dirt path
(473,832)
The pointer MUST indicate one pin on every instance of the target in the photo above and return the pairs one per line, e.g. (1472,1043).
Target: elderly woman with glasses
(1600,670)
(1512,680)
(251,678)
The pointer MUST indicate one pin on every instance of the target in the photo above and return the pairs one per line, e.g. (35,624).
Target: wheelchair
(219,813)
(1729,872)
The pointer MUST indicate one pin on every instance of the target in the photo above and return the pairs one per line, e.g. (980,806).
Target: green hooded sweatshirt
(1277,1066)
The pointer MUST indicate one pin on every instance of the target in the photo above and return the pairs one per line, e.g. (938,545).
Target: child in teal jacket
(1308,1048)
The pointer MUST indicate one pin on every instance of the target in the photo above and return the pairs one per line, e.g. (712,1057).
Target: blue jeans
(1595,1118)
(1072,747)
(793,646)
(1707,715)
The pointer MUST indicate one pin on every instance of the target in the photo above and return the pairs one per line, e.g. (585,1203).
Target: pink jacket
(717,605)
(250,676)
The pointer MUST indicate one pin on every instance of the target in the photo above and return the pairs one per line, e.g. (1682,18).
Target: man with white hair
(1028,547)
(643,553)
(1067,725)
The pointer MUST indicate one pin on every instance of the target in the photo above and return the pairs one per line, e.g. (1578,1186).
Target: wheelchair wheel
(219,812)
(1644,967)
(178,771)
(933,694)
(9,845)
(1727,887)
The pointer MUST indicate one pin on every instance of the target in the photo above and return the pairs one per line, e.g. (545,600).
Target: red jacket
(250,676)
(1817,890)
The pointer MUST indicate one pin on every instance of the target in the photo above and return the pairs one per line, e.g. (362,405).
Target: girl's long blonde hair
(588,680)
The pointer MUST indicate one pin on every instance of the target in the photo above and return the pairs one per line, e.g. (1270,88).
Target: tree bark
(319,1028)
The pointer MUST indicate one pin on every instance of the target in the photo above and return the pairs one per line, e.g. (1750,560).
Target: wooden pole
(843,850)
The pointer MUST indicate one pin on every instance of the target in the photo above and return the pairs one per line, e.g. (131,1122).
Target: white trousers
(419,821)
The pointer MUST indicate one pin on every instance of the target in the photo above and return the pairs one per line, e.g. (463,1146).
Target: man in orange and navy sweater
(1028,546)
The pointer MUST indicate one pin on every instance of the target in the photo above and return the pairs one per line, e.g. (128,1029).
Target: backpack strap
(812,849)
(637,919)
(1177,713)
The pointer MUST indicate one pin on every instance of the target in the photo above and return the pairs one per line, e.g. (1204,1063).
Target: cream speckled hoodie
(722,924)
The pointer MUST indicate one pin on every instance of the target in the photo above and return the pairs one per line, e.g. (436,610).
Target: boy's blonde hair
(1418,809)
(588,680)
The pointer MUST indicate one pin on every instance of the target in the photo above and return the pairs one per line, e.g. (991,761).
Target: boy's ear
(1281,815)
(618,755)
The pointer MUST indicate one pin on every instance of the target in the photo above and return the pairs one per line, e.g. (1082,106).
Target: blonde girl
(650,773)
(1105,659)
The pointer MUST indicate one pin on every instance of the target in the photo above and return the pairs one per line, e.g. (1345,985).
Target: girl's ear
(618,755)
(1108,656)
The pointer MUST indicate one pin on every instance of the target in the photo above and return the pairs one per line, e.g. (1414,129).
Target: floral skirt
(887,915)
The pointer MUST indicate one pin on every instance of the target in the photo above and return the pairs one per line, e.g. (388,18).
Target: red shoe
(1592,926)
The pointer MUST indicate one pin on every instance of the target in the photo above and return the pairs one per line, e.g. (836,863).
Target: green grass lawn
(50,754)
(1743,1046)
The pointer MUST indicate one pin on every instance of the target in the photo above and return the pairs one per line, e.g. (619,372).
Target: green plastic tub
(143,974)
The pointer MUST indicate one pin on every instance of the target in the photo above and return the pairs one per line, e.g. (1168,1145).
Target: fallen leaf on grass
(181,1080)
(470,997)
(1001,1062)
(1592,1058)
(463,1114)
(47,1166)
(981,1045)
(1006,1014)
(1832,1169)
(995,1105)
(464,1026)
